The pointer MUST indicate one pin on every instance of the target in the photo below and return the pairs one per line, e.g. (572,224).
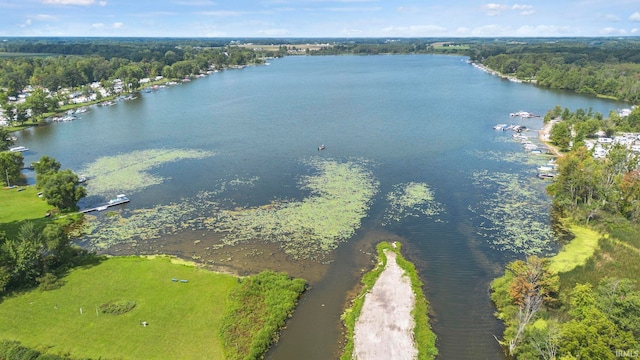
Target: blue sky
(319,18)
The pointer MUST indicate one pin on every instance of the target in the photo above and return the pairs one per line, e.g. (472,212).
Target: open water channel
(405,119)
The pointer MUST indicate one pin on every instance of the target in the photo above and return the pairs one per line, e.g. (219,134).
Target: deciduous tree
(62,190)
(11,164)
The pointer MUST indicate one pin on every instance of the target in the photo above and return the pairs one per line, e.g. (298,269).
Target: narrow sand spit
(543,136)
(384,329)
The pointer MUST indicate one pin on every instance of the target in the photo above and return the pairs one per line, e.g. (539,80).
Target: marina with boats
(546,171)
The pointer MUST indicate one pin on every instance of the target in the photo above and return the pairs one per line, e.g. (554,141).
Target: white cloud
(195,3)
(524,9)
(273,32)
(103,3)
(352,32)
(611,17)
(45,17)
(223,13)
(543,30)
(492,30)
(414,30)
(407,10)
(635,16)
(634,30)
(521,7)
(97,25)
(69,2)
(117,25)
(461,31)
(352,9)
(613,31)
(494,9)
(27,23)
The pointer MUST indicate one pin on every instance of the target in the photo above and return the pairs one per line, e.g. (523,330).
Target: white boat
(18,149)
(500,126)
(544,168)
(120,199)
(522,114)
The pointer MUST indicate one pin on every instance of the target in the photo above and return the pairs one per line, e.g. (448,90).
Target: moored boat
(18,149)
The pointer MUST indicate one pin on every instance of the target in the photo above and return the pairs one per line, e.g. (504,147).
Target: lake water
(412,118)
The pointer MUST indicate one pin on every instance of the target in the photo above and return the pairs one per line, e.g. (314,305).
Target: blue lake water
(414,118)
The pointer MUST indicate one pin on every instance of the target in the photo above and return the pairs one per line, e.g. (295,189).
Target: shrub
(117,307)
(48,282)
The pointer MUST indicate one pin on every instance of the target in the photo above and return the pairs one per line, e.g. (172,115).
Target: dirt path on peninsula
(544,137)
(384,329)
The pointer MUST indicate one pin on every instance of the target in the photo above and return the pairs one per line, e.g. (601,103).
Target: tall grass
(258,309)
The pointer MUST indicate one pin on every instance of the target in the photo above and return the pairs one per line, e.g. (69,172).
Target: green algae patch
(519,157)
(411,199)
(424,337)
(577,251)
(515,214)
(339,196)
(129,172)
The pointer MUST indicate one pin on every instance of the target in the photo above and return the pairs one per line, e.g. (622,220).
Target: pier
(120,199)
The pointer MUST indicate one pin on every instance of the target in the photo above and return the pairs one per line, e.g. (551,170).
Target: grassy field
(576,252)
(17,206)
(183,317)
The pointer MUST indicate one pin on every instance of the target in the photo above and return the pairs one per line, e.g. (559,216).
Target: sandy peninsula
(384,329)
(544,137)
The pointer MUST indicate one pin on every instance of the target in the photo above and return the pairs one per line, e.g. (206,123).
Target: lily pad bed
(516,217)
(411,199)
(129,172)
(339,196)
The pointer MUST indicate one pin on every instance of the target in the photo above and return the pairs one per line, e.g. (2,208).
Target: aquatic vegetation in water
(515,157)
(339,196)
(128,172)
(516,215)
(410,199)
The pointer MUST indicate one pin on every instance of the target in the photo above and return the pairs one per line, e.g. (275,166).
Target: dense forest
(75,63)
(603,67)
(589,310)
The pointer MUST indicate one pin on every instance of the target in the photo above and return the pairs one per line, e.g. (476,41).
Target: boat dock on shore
(120,199)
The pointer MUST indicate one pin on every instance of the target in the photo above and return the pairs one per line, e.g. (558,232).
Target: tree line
(585,322)
(37,253)
(607,68)
(587,187)
(66,69)
(592,311)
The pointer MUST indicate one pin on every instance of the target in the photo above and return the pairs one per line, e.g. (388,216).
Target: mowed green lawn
(17,206)
(183,318)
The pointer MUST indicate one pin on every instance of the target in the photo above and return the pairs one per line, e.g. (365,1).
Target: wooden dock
(120,199)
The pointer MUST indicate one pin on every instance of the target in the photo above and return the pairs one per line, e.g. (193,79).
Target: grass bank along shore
(148,308)
(375,330)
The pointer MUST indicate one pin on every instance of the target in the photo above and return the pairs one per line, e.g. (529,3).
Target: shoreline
(390,317)
(543,137)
